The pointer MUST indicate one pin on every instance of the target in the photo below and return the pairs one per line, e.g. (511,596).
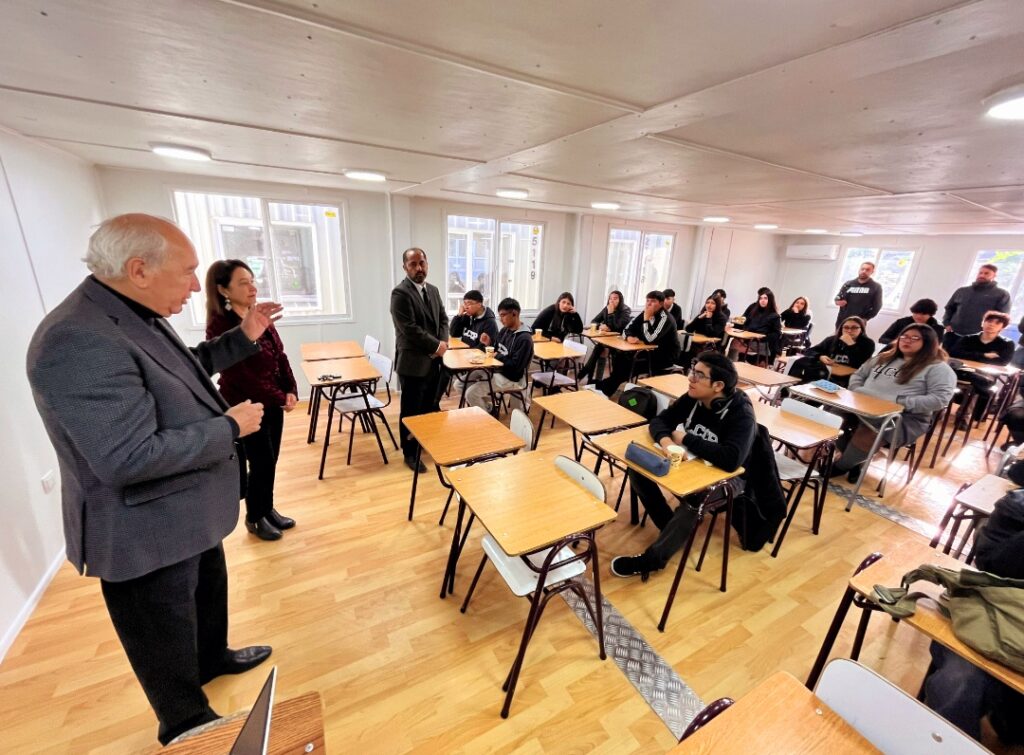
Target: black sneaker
(632,566)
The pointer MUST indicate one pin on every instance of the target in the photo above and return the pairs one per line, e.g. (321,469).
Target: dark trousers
(1014,420)
(173,625)
(622,367)
(420,395)
(262,449)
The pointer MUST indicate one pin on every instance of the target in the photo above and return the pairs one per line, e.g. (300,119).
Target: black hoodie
(557,324)
(469,328)
(893,331)
(722,435)
(836,349)
(712,327)
(616,320)
(514,349)
(660,331)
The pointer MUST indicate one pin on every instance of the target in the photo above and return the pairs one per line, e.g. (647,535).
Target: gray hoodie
(929,391)
(969,304)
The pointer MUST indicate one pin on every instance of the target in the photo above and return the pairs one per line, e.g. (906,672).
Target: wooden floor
(349,601)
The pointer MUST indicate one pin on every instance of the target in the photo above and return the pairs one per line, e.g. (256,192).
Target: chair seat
(521,579)
(356,404)
(552,379)
(790,469)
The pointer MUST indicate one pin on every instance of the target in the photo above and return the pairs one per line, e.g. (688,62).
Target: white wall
(49,203)
(739,262)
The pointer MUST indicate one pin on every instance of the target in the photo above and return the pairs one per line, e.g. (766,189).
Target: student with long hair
(559,319)
(798,315)
(762,316)
(710,322)
(613,318)
(849,346)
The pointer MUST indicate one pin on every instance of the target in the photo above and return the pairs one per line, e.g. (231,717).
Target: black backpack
(641,401)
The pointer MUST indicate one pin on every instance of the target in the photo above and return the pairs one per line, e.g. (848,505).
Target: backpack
(759,510)
(986,611)
(640,400)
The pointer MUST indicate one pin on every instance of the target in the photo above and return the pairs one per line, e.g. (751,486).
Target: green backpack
(986,611)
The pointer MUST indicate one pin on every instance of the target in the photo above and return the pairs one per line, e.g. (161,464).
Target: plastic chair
(885,715)
(547,572)
(552,381)
(370,344)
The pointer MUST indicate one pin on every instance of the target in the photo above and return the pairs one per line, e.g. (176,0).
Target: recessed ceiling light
(850,233)
(1007,105)
(512,193)
(815,230)
(605,205)
(716,219)
(365,175)
(766,226)
(181,152)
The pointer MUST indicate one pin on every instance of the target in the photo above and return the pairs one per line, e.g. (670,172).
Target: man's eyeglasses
(909,337)
(696,377)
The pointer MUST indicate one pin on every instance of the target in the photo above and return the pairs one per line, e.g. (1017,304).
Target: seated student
(922,312)
(762,317)
(672,308)
(559,319)
(652,326)
(613,318)
(472,320)
(513,348)
(849,345)
(913,373)
(955,688)
(798,315)
(713,421)
(988,347)
(720,293)
(710,322)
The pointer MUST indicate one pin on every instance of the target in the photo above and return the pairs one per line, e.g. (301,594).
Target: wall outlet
(48,480)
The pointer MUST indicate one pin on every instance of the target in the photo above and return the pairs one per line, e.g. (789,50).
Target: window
(1010,264)
(638,262)
(510,269)
(892,271)
(295,250)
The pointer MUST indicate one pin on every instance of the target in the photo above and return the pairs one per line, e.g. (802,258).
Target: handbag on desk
(650,460)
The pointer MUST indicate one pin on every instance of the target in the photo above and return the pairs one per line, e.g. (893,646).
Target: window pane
(623,261)
(892,272)
(654,262)
(855,256)
(468,263)
(1008,261)
(521,249)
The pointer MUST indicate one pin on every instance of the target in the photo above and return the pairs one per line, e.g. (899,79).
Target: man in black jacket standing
(716,423)
(968,305)
(421,338)
(860,296)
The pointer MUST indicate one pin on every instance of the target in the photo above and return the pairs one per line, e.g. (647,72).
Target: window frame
(644,232)
(287,320)
(879,248)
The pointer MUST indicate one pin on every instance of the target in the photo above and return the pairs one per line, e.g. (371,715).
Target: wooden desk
(458,343)
(762,378)
(793,331)
(983,494)
(540,338)
(673,385)
(296,726)
(841,370)
(337,374)
(702,339)
(890,569)
(548,354)
(312,352)
(621,344)
(779,715)
(547,351)
(587,413)
(458,436)
(743,335)
(468,361)
(995,370)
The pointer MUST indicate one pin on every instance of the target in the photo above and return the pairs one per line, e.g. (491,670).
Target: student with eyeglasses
(913,373)
(849,346)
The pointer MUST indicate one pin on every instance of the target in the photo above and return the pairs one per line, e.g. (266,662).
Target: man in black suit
(421,339)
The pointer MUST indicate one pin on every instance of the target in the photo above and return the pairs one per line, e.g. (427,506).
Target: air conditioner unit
(812,252)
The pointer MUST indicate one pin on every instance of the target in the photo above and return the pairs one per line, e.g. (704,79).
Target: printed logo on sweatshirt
(502,350)
(886,370)
(469,336)
(858,290)
(702,432)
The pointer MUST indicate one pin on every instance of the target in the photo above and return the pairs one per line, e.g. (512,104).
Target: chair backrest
(885,715)
(521,426)
(812,413)
(579,348)
(382,364)
(370,344)
(581,475)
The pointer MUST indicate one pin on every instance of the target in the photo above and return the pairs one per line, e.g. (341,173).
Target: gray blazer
(418,328)
(147,458)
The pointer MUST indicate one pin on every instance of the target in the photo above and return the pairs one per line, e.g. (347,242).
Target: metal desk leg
(895,420)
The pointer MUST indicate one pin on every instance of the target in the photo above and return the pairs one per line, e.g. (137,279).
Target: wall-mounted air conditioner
(812,251)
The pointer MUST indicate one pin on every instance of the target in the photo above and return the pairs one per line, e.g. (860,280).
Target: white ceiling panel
(906,209)
(1007,199)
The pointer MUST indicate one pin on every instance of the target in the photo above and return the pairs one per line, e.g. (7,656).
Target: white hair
(121,238)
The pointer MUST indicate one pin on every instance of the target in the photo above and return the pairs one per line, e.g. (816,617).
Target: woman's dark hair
(860,322)
(716,300)
(765,291)
(807,304)
(219,274)
(722,370)
(931,351)
(565,295)
(720,293)
(924,307)
(617,293)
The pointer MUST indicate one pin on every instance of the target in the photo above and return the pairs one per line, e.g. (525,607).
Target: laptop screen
(255,733)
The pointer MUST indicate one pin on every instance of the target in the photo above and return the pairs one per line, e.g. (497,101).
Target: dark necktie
(425,302)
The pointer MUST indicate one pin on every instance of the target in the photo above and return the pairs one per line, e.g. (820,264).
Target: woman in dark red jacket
(265,377)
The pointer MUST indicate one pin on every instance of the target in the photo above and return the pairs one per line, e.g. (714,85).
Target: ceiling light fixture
(851,233)
(181,152)
(1007,105)
(716,219)
(512,193)
(605,205)
(365,175)
(766,226)
(815,230)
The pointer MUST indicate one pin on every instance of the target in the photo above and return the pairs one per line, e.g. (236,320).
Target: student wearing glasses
(913,373)
(715,422)
(849,346)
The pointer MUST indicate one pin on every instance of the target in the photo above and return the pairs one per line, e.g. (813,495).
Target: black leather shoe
(280,521)
(238,661)
(410,461)
(263,529)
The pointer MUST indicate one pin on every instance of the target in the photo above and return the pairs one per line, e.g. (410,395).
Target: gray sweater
(969,304)
(929,391)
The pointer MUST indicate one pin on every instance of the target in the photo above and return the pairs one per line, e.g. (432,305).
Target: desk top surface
(841,370)
(743,335)
(457,343)
(527,503)
(353,370)
(699,338)
(689,477)
(852,401)
(751,373)
(673,385)
(620,344)
(465,359)
(460,435)
(550,350)
(889,570)
(588,411)
(792,429)
(779,715)
(330,350)
(983,494)
(1007,370)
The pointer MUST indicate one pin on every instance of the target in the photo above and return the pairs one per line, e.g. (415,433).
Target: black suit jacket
(419,328)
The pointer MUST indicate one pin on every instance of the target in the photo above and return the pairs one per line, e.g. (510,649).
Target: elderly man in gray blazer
(421,338)
(146,446)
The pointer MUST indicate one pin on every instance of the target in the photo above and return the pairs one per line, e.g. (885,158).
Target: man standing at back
(146,446)
(860,296)
(421,339)
(967,306)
